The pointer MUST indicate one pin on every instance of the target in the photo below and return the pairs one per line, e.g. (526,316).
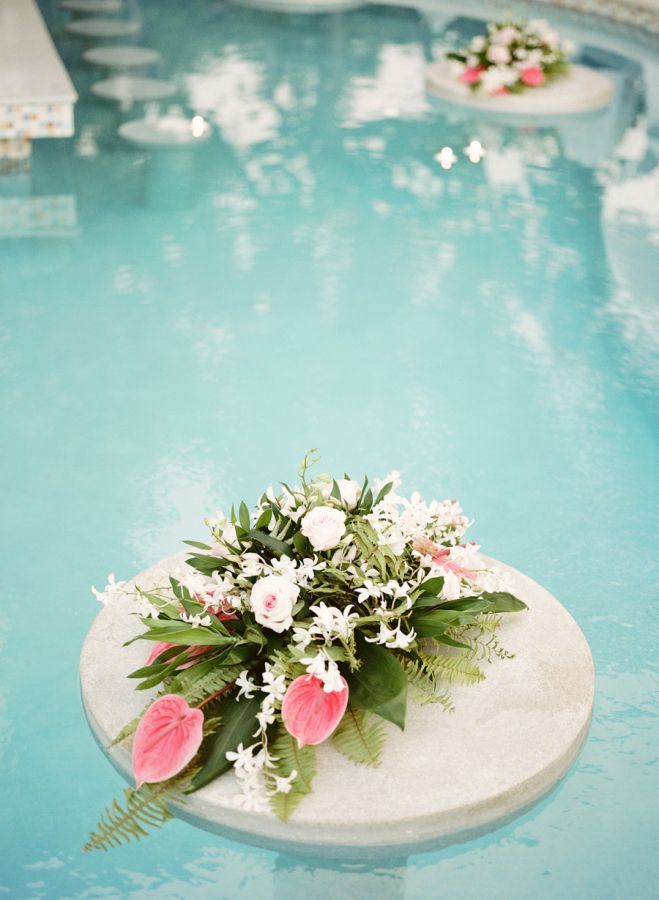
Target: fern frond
(425,688)
(452,669)
(481,638)
(360,736)
(144,808)
(197,689)
(288,758)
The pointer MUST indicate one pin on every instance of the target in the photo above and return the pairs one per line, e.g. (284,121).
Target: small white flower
(283,785)
(252,565)
(326,670)
(112,591)
(285,567)
(274,685)
(246,685)
(302,638)
(332,622)
(195,620)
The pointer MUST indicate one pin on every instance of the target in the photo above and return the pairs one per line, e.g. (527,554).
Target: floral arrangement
(314,617)
(512,57)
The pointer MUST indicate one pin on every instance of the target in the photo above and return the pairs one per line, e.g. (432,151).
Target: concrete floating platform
(303,7)
(121,57)
(582,90)
(168,131)
(103,28)
(126,90)
(92,7)
(444,779)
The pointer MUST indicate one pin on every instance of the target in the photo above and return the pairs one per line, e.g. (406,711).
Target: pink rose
(532,76)
(273,599)
(309,712)
(470,75)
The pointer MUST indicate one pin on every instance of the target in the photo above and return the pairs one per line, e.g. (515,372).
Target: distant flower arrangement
(512,57)
(313,617)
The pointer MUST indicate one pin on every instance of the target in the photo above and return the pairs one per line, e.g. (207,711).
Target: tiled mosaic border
(36,120)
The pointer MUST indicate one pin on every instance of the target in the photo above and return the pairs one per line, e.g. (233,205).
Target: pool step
(36,94)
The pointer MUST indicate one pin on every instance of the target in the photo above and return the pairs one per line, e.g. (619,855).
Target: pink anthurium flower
(470,75)
(533,76)
(166,739)
(309,712)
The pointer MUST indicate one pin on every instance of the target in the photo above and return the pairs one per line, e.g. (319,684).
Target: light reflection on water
(183,327)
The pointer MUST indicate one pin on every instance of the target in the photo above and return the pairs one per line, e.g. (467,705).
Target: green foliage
(238,727)
(379,684)
(289,758)
(360,736)
(143,809)
(424,686)
(452,669)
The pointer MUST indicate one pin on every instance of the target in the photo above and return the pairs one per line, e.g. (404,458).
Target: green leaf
(335,492)
(379,685)
(271,543)
(206,564)
(472,605)
(243,515)
(301,544)
(427,601)
(360,736)
(186,635)
(198,544)
(433,585)
(436,621)
(264,518)
(291,757)
(504,602)
(383,492)
(238,727)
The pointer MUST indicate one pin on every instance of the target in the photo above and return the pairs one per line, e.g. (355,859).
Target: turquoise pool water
(188,326)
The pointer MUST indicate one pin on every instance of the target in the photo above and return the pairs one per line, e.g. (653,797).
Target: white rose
(324,527)
(273,599)
(505,35)
(349,490)
(497,53)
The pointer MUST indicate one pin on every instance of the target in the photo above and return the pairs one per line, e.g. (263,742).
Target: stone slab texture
(445,778)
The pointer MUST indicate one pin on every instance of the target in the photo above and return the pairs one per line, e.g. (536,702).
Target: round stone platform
(582,90)
(103,28)
(302,7)
(92,7)
(121,57)
(126,89)
(168,131)
(445,778)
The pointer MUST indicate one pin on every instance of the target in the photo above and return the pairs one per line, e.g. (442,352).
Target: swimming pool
(178,330)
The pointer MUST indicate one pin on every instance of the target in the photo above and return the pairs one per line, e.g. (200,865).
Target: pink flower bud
(310,713)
